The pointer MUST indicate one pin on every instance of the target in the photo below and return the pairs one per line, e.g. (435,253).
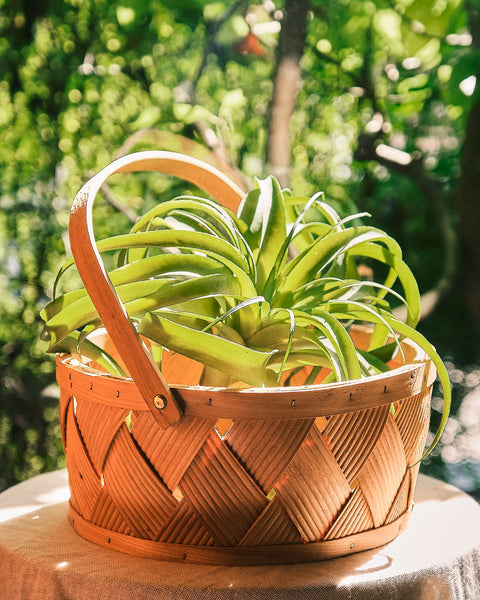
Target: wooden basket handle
(148,378)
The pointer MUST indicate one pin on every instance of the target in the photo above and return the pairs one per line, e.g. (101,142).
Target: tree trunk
(286,83)
(469,185)
(469,211)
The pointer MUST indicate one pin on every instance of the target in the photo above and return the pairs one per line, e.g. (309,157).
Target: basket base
(239,555)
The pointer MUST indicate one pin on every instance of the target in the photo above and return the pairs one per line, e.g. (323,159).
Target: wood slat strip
(136,490)
(84,482)
(106,515)
(313,497)
(400,503)
(65,399)
(99,425)
(383,473)
(412,418)
(272,527)
(184,527)
(413,475)
(170,451)
(354,517)
(266,448)
(224,496)
(352,436)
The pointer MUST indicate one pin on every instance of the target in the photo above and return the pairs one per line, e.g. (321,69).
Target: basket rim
(297,402)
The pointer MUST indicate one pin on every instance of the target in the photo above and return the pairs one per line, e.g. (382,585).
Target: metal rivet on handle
(160,401)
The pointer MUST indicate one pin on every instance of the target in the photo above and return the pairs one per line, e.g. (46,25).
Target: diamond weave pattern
(260,483)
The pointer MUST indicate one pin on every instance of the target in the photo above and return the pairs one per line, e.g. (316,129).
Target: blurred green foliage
(379,126)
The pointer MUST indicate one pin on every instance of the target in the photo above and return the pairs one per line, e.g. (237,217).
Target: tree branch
(125,210)
(433,192)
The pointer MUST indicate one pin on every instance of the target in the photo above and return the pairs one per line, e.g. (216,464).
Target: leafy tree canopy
(386,104)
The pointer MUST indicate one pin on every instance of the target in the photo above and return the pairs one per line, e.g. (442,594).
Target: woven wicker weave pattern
(265,483)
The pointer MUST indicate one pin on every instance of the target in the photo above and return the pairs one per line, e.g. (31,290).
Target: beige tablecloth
(41,557)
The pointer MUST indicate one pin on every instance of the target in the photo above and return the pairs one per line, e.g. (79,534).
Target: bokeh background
(374,102)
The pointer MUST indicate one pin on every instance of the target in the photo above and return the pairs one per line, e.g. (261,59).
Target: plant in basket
(274,324)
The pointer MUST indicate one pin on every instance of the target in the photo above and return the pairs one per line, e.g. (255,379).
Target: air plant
(255,296)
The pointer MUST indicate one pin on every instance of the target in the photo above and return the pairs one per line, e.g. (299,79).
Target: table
(42,558)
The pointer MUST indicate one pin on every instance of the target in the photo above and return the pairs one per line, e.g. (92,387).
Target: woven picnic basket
(179,472)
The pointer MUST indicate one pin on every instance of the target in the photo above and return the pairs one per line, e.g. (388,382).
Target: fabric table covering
(42,558)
